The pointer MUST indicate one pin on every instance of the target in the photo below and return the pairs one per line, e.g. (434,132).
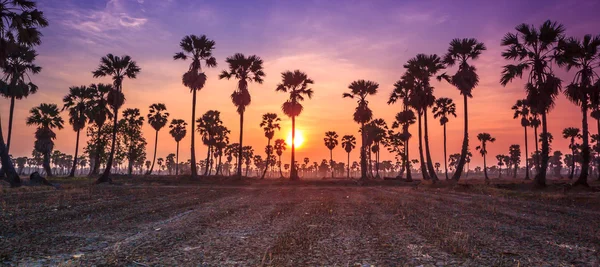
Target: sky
(334,42)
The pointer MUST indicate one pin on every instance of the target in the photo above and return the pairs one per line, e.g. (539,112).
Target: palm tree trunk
(280,172)
(267,161)
(485,168)
(540,177)
(293,171)
(430,168)
(500,172)
(154,157)
(219,170)
(193,144)
(7,167)
(537,151)
(177,160)
(239,167)
(465,145)
(10,123)
(106,175)
(363,155)
(348,167)
(407,163)
(72,174)
(445,154)
(331,161)
(572,160)
(206,169)
(585,150)
(526,153)
(46,165)
(423,167)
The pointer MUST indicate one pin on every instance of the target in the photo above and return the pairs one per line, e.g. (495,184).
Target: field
(164,221)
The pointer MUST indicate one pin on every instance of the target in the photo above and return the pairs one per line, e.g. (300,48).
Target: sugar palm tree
(534,122)
(522,111)
(422,67)
(533,50)
(500,158)
(403,89)
(157,118)
(571,133)
(279,147)
(348,144)
(269,123)
(405,119)
(360,89)
(245,70)
(18,65)
(484,138)
(46,117)
(460,52)
(583,56)
(297,84)
(331,141)
(99,112)
(443,108)
(198,50)
(78,102)
(118,68)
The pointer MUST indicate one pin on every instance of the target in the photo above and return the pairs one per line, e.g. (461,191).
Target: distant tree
(571,133)
(444,107)
(279,147)
(270,123)
(157,118)
(46,117)
(331,142)
(78,102)
(484,138)
(522,111)
(348,144)
(178,132)
(514,153)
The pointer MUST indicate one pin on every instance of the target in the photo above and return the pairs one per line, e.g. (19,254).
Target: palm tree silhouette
(198,49)
(571,133)
(535,122)
(442,109)
(17,84)
(78,102)
(422,68)
(279,147)
(245,69)
(331,142)
(99,112)
(118,68)
(131,127)
(533,49)
(348,144)
(209,126)
(405,119)
(157,118)
(522,111)
(500,158)
(465,80)
(584,57)
(46,117)
(361,89)
(270,123)
(484,138)
(296,83)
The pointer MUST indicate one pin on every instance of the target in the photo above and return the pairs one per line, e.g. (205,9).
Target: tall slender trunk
(430,168)
(526,153)
(585,150)
(572,159)
(363,155)
(72,174)
(239,167)
(485,167)
(46,165)
(537,151)
(423,167)
(500,172)
(7,167)
(465,145)
(177,160)
(407,163)
(96,169)
(540,177)
(193,143)
(10,123)
(331,161)
(154,157)
(293,171)
(267,161)
(207,164)
(348,167)
(106,175)
(445,154)
(279,166)
(219,170)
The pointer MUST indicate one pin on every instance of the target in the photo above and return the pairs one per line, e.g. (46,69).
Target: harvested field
(276,223)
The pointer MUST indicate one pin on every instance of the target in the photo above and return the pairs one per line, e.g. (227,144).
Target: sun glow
(299,139)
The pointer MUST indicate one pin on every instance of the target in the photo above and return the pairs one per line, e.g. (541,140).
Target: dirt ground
(161,221)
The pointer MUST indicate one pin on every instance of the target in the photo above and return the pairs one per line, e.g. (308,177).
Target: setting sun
(298,141)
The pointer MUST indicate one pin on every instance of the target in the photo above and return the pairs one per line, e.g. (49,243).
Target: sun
(299,140)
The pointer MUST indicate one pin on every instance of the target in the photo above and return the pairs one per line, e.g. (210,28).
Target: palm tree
(79,101)
(583,56)
(46,117)
(331,141)
(500,158)
(360,89)
(198,49)
(533,49)
(422,68)
(157,118)
(118,68)
(571,133)
(296,83)
(209,126)
(534,122)
(279,147)
(245,69)
(17,84)
(270,123)
(484,138)
(405,119)
(444,107)
(522,110)
(465,80)
(348,144)
(99,112)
